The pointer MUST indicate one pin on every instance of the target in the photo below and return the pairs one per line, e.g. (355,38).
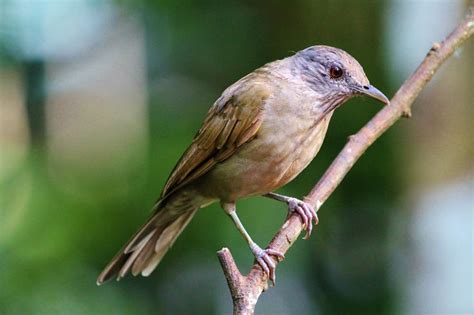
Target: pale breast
(305,151)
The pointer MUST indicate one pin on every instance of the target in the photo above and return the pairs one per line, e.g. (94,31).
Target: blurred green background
(98,99)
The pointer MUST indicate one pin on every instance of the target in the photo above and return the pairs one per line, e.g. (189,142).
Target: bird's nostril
(366,87)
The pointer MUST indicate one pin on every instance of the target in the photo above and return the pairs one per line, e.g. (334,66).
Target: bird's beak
(373,92)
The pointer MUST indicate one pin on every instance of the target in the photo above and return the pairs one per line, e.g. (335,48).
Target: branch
(245,290)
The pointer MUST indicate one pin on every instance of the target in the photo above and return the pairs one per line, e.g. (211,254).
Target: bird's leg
(261,255)
(304,210)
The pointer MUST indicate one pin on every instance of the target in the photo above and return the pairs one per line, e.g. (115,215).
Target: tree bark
(245,290)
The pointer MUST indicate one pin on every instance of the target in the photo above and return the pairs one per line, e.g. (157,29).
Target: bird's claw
(266,262)
(306,213)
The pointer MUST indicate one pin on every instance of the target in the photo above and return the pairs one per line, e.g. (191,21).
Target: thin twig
(245,290)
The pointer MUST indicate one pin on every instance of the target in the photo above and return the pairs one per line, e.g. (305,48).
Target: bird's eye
(335,72)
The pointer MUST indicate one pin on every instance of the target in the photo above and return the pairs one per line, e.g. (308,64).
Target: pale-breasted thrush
(258,136)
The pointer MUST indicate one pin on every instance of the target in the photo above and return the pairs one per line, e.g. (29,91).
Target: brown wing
(233,120)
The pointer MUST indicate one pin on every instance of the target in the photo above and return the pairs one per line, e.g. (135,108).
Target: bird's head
(334,74)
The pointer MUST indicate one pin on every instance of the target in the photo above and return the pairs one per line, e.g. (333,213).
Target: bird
(258,136)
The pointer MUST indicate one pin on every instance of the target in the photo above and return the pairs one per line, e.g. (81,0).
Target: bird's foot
(265,261)
(306,213)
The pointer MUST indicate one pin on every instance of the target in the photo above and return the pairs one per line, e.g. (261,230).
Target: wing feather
(233,120)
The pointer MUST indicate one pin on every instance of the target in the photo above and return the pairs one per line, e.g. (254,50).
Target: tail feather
(145,254)
(166,240)
(148,227)
(148,246)
(131,259)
